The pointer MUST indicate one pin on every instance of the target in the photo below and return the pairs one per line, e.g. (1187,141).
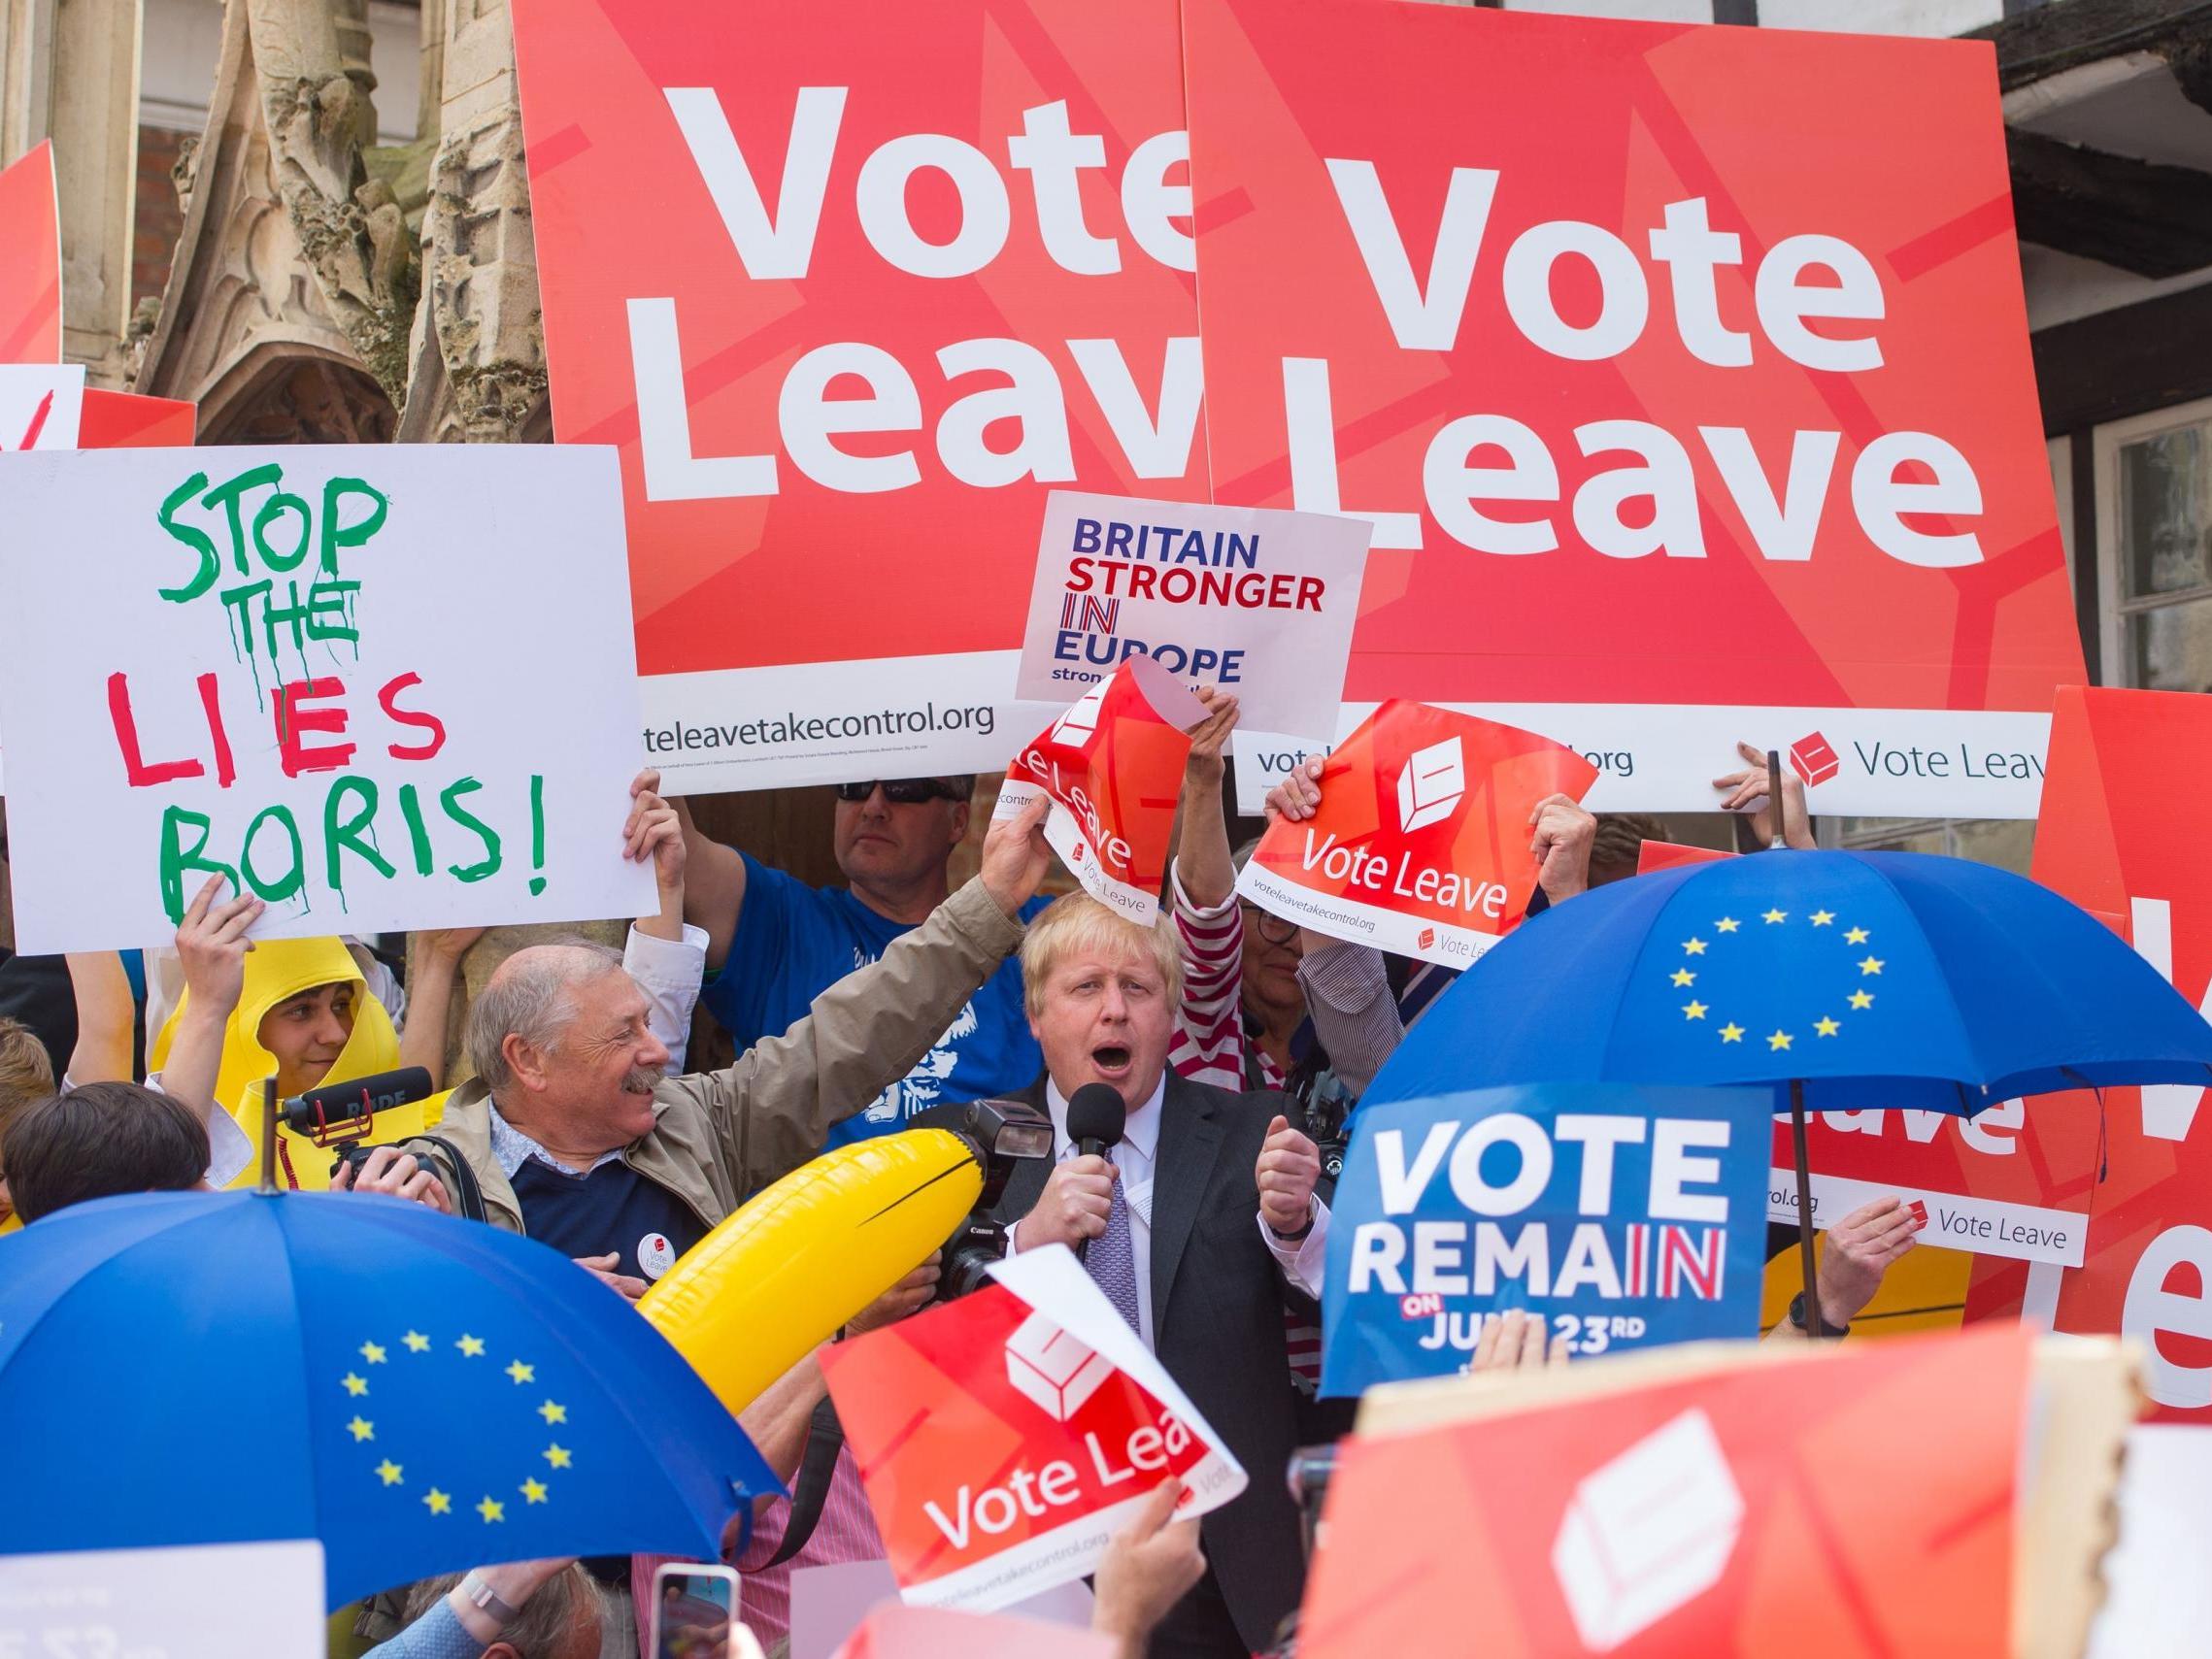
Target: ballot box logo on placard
(1431,785)
(1814,759)
(1079,723)
(1051,1368)
(1648,1533)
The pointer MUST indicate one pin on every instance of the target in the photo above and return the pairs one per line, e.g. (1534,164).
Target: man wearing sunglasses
(774,943)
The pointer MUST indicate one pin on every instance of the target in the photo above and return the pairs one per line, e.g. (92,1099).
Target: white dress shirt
(1300,1259)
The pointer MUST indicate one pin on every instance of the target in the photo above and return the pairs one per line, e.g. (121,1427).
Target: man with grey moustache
(573,1132)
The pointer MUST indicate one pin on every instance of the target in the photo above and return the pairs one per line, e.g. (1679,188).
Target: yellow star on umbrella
(1826,1026)
(1857,936)
(416,1342)
(1773,916)
(554,1414)
(388,1472)
(558,1455)
(355,1384)
(1727,925)
(471,1347)
(1694,946)
(372,1353)
(1684,977)
(1862,999)
(492,1509)
(1822,918)
(1873,965)
(1732,1033)
(534,1490)
(1694,1009)
(1780,1040)
(439,1503)
(361,1429)
(521,1373)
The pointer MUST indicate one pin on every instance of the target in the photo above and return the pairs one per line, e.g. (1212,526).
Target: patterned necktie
(1112,1261)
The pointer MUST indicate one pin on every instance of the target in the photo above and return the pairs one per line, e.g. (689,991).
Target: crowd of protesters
(1240,1044)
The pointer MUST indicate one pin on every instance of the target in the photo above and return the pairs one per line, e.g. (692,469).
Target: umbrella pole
(1810,1275)
(268,1135)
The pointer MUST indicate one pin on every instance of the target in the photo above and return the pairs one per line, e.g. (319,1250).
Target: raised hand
(1016,856)
(1288,1166)
(212,944)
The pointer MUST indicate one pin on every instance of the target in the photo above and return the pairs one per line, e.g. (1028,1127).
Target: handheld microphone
(1096,1115)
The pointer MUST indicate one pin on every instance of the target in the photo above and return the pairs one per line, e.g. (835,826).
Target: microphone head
(1096,1111)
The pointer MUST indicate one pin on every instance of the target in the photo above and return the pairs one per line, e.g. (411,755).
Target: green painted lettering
(176,859)
(211,561)
(340,834)
(450,801)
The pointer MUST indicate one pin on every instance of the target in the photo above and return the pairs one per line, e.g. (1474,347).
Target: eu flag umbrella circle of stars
(537,1486)
(1835,1013)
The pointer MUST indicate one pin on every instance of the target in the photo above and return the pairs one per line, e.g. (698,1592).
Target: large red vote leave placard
(849,289)
(2124,832)
(1683,370)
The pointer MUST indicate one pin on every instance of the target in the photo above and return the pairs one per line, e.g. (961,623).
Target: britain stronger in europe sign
(1683,372)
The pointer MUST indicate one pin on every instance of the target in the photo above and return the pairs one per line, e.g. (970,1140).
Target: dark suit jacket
(1216,1315)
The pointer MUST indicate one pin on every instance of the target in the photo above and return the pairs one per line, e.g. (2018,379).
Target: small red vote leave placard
(1005,1436)
(2127,816)
(1112,765)
(1653,855)
(30,260)
(1421,841)
(126,421)
(1869,1495)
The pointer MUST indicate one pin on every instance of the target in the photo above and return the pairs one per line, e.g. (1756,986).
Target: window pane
(2171,647)
(2165,511)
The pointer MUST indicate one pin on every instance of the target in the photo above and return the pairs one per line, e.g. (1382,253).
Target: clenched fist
(1288,1166)
(1073,1205)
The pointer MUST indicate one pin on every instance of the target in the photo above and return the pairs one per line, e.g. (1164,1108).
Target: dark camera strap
(467,1190)
(825,1439)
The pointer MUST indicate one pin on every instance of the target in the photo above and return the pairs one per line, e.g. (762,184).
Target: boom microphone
(331,1105)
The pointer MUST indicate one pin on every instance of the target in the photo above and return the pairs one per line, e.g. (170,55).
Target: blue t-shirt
(793,941)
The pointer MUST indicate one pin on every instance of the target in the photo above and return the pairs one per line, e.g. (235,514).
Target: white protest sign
(210,1601)
(2158,1598)
(40,404)
(1257,601)
(380,686)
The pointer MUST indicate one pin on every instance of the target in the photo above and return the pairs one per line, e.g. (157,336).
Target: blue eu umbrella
(421,1394)
(1856,979)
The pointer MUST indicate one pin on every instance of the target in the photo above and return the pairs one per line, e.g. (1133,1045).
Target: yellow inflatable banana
(751,1299)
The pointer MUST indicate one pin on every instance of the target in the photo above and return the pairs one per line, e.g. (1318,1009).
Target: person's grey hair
(528,997)
(543,1623)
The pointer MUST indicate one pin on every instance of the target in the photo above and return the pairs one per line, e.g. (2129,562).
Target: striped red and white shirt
(1211,1045)
(844,1532)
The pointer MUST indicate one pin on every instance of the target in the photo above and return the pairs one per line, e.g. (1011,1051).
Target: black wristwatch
(1302,1234)
(1798,1318)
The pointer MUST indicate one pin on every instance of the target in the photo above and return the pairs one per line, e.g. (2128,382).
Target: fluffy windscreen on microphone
(1097,1112)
